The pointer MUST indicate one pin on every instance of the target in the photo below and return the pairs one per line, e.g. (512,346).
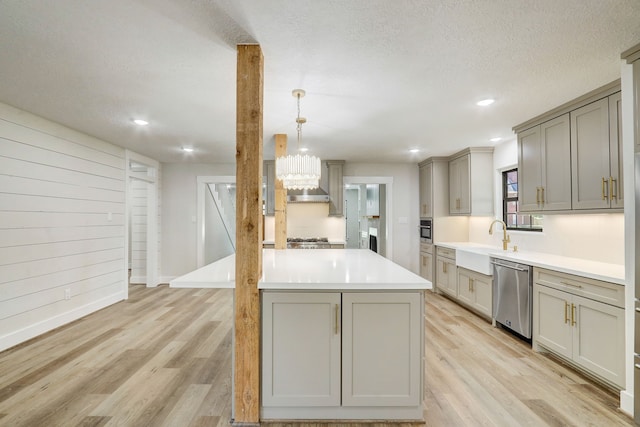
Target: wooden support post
(281,198)
(249,111)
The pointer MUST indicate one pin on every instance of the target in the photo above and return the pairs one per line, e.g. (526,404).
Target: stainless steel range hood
(317,195)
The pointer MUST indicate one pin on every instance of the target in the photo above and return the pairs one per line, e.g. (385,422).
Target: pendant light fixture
(301,171)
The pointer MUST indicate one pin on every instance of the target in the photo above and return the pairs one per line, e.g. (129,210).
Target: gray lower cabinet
(446,280)
(476,291)
(581,320)
(342,355)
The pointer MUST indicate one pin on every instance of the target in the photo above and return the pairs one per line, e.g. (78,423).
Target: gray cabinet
(446,280)
(596,155)
(335,186)
(476,291)
(322,358)
(581,320)
(544,174)
(425,175)
(434,187)
(471,182)
(426,261)
(301,349)
(269,170)
(570,158)
(370,375)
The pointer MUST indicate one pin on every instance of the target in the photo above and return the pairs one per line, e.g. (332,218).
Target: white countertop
(613,273)
(219,274)
(312,269)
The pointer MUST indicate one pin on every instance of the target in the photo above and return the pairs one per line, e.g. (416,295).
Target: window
(510,206)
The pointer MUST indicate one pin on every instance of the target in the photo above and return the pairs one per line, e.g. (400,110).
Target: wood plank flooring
(163,358)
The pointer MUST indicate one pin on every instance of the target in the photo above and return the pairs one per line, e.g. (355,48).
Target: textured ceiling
(381,76)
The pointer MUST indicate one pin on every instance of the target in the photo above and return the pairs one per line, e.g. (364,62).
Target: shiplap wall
(138,234)
(62,225)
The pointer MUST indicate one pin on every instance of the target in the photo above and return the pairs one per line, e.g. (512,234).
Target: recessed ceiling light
(304,149)
(485,102)
(496,139)
(187,149)
(414,150)
(140,122)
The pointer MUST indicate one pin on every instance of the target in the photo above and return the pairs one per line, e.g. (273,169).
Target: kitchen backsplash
(308,220)
(597,237)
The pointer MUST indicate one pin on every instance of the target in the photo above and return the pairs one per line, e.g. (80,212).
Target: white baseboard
(626,402)
(167,279)
(17,337)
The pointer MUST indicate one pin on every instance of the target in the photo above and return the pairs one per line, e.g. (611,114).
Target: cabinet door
(551,320)
(426,266)
(529,170)
(464,179)
(482,288)
(381,349)
(454,187)
(301,349)
(598,338)
(446,276)
(459,186)
(615,148)
(465,286)
(590,156)
(373,199)
(426,190)
(556,158)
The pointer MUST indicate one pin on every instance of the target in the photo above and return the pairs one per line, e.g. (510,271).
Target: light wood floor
(163,358)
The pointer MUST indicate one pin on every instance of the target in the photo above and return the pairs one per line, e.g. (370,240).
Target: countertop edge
(562,263)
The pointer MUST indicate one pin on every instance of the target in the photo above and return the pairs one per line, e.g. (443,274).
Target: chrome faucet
(505,239)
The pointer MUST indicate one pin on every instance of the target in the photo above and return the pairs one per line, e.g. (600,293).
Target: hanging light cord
(299,121)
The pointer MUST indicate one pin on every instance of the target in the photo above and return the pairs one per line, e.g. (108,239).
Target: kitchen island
(342,335)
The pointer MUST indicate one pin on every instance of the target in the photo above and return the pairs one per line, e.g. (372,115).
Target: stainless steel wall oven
(426,230)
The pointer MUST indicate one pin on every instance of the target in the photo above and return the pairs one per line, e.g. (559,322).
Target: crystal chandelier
(301,171)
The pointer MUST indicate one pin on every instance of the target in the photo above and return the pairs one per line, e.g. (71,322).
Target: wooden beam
(281,198)
(249,110)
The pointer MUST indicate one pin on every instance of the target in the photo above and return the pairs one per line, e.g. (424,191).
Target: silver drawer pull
(573,285)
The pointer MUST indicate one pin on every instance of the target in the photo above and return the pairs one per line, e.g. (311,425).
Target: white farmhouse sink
(476,258)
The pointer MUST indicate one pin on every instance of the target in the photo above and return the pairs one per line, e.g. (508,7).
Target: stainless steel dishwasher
(513,295)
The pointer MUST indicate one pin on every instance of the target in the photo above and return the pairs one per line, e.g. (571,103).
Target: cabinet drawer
(446,252)
(608,293)
(426,247)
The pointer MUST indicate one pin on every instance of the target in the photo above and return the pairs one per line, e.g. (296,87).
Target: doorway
(216,218)
(368,213)
(142,220)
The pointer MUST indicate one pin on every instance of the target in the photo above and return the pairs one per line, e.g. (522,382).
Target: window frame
(506,199)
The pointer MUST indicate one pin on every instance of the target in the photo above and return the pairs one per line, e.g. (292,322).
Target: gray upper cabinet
(335,187)
(570,158)
(471,182)
(543,173)
(426,190)
(433,174)
(269,170)
(596,155)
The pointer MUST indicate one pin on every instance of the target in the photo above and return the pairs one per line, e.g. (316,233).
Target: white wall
(62,225)
(597,237)
(405,207)
(178,229)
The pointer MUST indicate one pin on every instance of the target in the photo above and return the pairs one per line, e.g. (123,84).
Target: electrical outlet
(67,293)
